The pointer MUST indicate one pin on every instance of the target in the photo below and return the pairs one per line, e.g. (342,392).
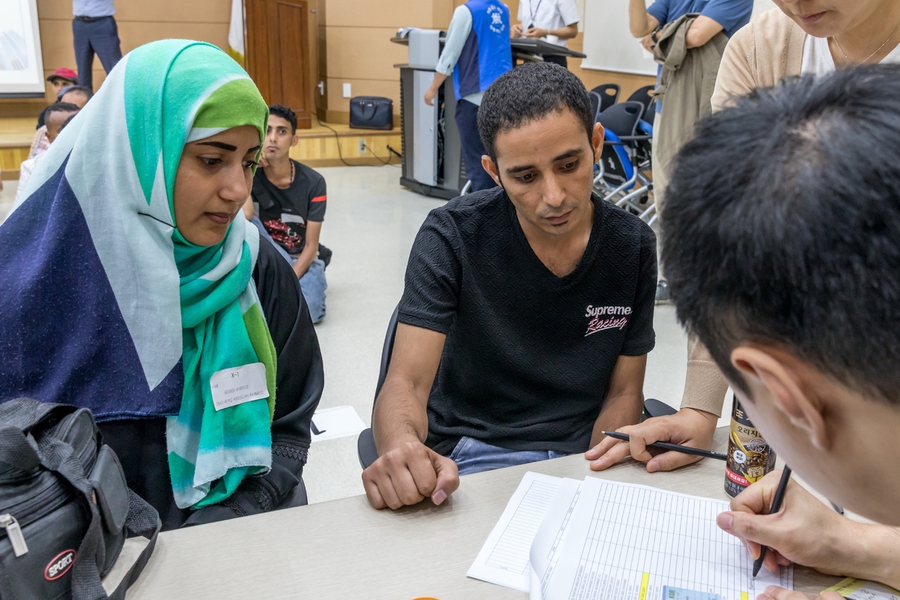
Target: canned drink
(749,456)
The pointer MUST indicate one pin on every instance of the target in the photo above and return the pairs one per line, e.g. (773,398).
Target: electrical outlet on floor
(362,146)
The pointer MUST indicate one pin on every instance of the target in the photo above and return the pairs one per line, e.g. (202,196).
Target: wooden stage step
(317,147)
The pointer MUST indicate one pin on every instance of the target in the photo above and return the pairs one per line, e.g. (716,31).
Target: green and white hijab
(188,312)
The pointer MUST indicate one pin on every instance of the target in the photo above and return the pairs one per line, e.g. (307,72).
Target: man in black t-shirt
(288,200)
(528,309)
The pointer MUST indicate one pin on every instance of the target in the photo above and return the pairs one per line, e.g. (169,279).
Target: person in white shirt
(554,21)
(56,117)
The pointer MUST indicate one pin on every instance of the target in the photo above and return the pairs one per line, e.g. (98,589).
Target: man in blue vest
(476,52)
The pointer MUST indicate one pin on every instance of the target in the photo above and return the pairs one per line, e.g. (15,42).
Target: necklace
(856,64)
(292,164)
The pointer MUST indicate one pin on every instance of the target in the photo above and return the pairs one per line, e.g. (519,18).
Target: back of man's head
(782,227)
(57,116)
(529,93)
(285,113)
(75,94)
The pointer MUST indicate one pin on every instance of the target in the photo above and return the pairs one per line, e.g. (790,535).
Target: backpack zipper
(16,538)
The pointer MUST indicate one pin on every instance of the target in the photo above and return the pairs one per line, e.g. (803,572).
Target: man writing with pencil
(782,249)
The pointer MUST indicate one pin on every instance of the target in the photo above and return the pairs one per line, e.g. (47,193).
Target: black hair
(782,227)
(88,92)
(527,93)
(66,122)
(60,107)
(285,113)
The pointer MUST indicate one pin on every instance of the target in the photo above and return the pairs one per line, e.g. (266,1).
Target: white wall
(608,43)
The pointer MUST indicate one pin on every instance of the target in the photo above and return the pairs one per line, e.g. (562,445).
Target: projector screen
(21,65)
(608,42)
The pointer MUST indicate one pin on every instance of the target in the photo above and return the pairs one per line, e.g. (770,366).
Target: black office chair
(622,176)
(365,443)
(643,95)
(609,94)
(596,101)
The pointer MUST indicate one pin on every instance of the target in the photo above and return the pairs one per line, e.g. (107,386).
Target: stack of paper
(600,539)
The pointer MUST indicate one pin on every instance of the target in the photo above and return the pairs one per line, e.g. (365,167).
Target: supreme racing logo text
(606,317)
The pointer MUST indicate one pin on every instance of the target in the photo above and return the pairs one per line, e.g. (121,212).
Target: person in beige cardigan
(800,36)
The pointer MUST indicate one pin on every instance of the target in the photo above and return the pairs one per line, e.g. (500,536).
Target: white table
(346,549)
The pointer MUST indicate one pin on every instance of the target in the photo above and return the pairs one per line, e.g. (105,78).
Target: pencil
(776,506)
(667,446)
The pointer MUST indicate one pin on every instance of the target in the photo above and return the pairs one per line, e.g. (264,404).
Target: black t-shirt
(529,355)
(284,213)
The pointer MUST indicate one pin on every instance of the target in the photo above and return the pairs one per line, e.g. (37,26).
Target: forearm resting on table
(873,552)
(401,414)
(624,401)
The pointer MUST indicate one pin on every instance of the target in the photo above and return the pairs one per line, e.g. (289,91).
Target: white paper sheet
(339,421)
(628,541)
(548,540)
(503,559)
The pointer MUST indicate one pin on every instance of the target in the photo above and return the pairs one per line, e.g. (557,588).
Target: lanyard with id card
(534,12)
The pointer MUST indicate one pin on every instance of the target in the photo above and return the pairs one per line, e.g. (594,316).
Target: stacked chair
(623,172)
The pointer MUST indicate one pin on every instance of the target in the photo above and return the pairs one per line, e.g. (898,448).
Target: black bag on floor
(371,112)
(64,505)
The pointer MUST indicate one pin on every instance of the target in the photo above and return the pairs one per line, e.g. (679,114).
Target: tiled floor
(370,225)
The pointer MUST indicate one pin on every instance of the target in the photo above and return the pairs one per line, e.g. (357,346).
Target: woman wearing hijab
(131,290)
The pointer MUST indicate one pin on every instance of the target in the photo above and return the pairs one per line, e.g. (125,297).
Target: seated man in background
(59,79)
(72,94)
(528,308)
(56,117)
(75,94)
(289,201)
(787,272)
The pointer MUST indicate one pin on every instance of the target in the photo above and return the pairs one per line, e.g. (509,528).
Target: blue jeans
(472,148)
(312,284)
(473,456)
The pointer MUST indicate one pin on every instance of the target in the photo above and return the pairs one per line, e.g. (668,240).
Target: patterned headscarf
(111,307)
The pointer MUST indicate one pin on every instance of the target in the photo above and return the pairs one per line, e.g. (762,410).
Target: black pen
(667,446)
(776,506)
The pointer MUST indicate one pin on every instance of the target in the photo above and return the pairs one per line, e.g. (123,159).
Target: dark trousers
(100,37)
(472,148)
(557,60)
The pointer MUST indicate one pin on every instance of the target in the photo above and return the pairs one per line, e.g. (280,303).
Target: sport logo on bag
(60,565)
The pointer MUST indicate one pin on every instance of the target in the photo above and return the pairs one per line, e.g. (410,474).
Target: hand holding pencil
(688,427)
(805,530)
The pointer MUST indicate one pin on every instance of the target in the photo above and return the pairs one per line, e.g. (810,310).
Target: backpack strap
(142,520)
(24,452)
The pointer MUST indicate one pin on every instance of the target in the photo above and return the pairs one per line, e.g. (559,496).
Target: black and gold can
(749,456)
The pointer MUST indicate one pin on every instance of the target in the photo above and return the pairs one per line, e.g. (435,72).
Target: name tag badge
(231,387)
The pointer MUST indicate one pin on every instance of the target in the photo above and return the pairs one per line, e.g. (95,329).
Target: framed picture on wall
(21,64)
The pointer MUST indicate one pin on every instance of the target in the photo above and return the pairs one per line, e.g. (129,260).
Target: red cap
(64,73)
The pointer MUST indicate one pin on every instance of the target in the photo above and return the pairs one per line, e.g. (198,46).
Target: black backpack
(64,505)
